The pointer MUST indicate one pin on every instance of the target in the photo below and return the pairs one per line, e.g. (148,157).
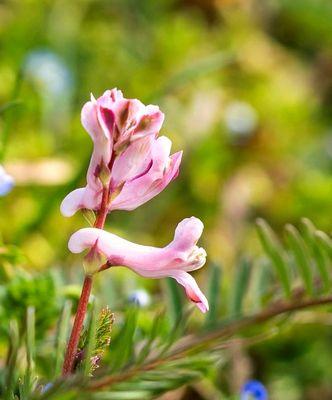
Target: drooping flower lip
(175,260)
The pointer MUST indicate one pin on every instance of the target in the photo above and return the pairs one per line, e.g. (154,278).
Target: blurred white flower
(54,82)
(6,182)
(140,297)
(241,119)
(48,72)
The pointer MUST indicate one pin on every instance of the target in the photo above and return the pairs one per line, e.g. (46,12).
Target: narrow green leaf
(260,283)
(11,360)
(8,106)
(275,252)
(213,295)
(318,255)
(301,255)
(152,336)
(325,242)
(90,341)
(123,344)
(30,349)
(61,337)
(202,67)
(175,300)
(176,331)
(241,281)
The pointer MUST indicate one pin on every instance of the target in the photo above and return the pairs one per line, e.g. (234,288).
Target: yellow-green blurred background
(246,87)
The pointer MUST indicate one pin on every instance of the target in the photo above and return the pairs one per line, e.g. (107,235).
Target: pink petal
(78,199)
(89,119)
(150,122)
(133,161)
(187,233)
(163,170)
(173,260)
(192,290)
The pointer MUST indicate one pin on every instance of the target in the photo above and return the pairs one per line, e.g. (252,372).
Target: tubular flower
(128,159)
(175,260)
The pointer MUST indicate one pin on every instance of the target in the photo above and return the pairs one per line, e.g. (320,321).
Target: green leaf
(318,254)
(8,106)
(260,283)
(157,322)
(325,242)
(302,256)
(175,300)
(241,281)
(214,291)
(123,344)
(104,329)
(61,336)
(30,349)
(10,376)
(90,343)
(200,68)
(275,252)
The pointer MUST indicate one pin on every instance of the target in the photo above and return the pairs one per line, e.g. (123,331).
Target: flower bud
(92,261)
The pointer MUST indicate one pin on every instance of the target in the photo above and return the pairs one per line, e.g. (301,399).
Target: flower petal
(138,191)
(133,161)
(78,199)
(152,262)
(192,290)
(187,233)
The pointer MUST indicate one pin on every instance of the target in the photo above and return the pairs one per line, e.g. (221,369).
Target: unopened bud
(92,261)
(104,175)
(89,216)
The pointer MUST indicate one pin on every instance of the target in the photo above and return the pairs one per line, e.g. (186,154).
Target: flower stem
(83,302)
(77,327)
(101,217)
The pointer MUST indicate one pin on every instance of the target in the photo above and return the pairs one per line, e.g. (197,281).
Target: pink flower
(127,157)
(174,260)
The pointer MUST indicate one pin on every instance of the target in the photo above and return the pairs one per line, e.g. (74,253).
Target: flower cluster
(127,157)
(130,165)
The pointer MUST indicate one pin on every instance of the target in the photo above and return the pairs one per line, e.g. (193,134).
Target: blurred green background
(246,86)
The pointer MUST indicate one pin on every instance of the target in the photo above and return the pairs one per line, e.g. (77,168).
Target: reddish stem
(77,327)
(83,302)
(101,217)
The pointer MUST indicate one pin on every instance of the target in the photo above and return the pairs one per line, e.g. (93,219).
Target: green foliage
(148,363)
(95,340)
(196,59)
(25,290)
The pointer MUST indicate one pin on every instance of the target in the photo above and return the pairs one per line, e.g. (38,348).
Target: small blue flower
(46,387)
(6,182)
(254,390)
